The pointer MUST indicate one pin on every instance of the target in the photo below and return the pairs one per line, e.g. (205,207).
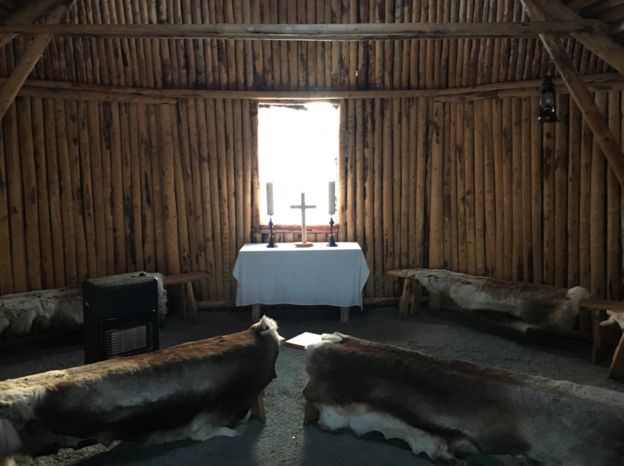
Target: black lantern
(547,107)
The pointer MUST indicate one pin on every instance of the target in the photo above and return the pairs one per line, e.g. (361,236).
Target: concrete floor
(283,440)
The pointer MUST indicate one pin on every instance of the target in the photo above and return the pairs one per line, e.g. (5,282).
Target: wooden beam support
(599,43)
(96,92)
(315,32)
(28,14)
(28,61)
(583,98)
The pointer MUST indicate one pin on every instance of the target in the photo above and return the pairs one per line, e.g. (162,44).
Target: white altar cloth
(318,275)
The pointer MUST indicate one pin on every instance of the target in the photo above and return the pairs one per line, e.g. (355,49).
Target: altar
(317,275)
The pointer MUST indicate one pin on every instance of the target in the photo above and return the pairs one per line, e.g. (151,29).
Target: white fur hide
(533,304)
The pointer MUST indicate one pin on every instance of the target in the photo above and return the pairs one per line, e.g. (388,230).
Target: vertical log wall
(91,188)
(481,187)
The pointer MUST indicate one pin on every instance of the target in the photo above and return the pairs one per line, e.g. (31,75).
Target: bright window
(298,153)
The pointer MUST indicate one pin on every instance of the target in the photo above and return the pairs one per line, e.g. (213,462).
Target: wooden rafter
(27,14)
(28,61)
(583,98)
(599,43)
(99,92)
(314,32)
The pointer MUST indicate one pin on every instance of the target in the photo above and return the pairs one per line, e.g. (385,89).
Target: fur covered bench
(195,390)
(527,304)
(453,409)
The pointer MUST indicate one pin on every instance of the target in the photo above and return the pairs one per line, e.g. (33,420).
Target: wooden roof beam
(581,95)
(99,92)
(27,62)
(599,43)
(314,32)
(27,14)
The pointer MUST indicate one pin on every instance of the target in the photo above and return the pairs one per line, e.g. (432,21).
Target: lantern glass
(547,110)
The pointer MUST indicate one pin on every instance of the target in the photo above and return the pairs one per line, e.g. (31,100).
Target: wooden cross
(303,207)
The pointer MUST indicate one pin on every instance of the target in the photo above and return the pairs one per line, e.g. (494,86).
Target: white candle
(332,197)
(269,188)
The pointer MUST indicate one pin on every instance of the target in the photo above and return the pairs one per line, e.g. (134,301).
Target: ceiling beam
(314,32)
(27,62)
(599,43)
(99,92)
(581,95)
(27,14)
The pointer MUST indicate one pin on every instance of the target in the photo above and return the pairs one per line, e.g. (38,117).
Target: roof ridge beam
(315,32)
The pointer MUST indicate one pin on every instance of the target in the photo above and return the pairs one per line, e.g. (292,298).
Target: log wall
(89,189)
(481,187)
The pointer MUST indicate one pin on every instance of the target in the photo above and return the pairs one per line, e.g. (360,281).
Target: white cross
(303,207)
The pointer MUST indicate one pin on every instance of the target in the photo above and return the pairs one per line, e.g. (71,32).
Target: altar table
(317,275)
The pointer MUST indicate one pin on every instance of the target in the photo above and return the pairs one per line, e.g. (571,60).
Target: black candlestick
(332,241)
(272,243)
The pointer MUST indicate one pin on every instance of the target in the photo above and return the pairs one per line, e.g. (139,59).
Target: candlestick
(332,241)
(269,189)
(272,243)
(332,197)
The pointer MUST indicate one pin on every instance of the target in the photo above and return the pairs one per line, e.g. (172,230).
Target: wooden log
(436,212)
(479,190)
(469,184)
(536,199)
(574,189)
(597,214)
(99,92)
(462,262)
(27,13)
(613,285)
(516,176)
(168,193)
(28,62)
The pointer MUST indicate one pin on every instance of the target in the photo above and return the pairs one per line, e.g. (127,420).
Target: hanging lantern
(547,107)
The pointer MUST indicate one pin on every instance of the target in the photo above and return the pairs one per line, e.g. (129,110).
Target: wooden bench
(606,338)
(189,304)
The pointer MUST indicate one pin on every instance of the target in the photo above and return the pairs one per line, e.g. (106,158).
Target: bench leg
(404,301)
(255,312)
(311,414)
(415,297)
(344,314)
(191,302)
(435,302)
(616,371)
(257,410)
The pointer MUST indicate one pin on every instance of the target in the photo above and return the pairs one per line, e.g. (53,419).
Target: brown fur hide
(182,391)
(450,409)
